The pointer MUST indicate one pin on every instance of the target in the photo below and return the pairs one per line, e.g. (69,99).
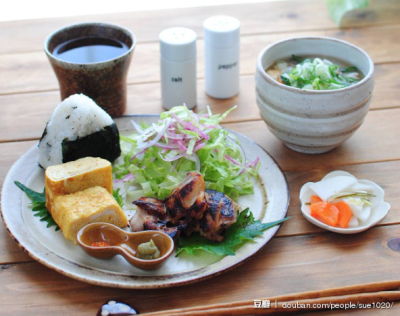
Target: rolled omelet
(73,211)
(76,176)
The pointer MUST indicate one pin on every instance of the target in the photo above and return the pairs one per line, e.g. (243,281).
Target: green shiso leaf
(34,196)
(338,8)
(245,229)
(38,205)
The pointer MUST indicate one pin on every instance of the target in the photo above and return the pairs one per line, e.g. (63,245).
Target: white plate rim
(12,200)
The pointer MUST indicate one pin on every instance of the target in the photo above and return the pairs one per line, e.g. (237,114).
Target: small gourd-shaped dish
(104,241)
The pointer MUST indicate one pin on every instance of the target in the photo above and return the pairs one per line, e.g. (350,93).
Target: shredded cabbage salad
(158,156)
(315,74)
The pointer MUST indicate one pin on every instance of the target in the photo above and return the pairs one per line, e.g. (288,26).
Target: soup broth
(314,73)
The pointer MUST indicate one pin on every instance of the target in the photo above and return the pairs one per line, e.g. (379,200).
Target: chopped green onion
(349,69)
(286,80)
(318,74)
(297,58)
(296,72)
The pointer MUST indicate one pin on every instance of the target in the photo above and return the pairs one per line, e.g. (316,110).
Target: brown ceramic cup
(105,81)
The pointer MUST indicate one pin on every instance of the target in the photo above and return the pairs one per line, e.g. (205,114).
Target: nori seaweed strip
(44,133)
(41,139)
(103,144)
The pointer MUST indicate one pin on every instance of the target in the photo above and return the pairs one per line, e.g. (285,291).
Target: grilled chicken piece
(179,210)
(160,225)
(149,210)
(188,208)
(152,206)
(143,221)
(151,214)
(221,213)
(186,201)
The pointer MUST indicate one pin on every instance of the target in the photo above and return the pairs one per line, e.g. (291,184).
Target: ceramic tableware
(124,243)
(313,121)
(103,80)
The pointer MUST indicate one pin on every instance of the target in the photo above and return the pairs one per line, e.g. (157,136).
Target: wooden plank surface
(29,93)
(27,72)
(376,140)
(320,260)
(269,17)
(356,150)
(28,113)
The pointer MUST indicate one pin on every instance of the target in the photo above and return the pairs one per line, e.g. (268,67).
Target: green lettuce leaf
(245,229)
(155,177)
(118,197)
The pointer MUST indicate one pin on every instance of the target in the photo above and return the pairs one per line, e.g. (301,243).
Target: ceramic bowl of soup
(312,115)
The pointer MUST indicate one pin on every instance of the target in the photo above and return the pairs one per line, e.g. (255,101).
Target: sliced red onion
(177,136)
(211,126)
(166,146)
(128,177)
(171,159)
(192,157)
(137,127)
(250,164)
(181,146)
(253,163)
(160,132)
(227,157)
(198,146)
(138,154)
(191,127)
(242,154)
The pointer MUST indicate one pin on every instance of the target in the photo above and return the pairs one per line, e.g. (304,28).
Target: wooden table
(301,257)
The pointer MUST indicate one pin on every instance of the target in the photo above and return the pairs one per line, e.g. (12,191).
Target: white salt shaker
(178,67)
(221,53)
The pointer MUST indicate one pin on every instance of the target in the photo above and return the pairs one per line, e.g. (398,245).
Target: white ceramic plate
(379,210)
(269,203)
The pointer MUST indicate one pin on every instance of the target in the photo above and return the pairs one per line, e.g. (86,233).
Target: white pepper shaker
(178,67)
(221,53)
